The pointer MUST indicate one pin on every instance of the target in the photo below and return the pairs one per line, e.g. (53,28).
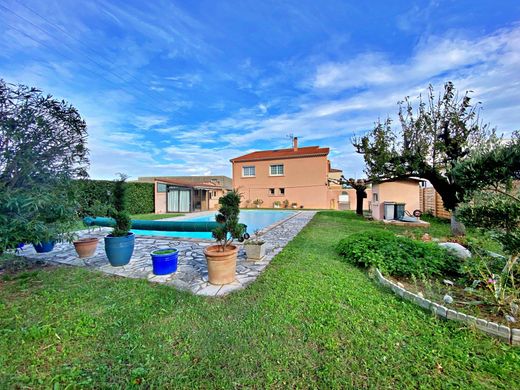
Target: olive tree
(433,138)
(42,147)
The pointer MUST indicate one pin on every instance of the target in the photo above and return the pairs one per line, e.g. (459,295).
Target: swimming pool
(254,219)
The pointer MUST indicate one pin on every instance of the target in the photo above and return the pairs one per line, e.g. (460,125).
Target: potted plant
(86,246)
(247,203)
(164,260)
(285,203)
(255,247)
(119,245)
(222,258)
(258,202)
(294,205)
(277,204)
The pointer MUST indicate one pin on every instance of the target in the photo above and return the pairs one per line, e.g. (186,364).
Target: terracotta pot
(85,247)
(221,264)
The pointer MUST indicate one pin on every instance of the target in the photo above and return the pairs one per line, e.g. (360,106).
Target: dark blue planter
(119,250)
(44,246)
(164,264)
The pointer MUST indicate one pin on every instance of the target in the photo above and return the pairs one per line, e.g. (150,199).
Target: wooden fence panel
(431,202)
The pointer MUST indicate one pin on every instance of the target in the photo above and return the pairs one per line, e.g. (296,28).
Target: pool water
(254,219)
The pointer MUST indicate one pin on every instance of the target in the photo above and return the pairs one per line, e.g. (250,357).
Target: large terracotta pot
(85,247)
(221,264)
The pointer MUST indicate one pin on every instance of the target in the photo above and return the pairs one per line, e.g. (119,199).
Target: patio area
(192,273)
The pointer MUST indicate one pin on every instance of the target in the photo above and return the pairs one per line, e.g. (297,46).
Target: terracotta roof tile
(306,151)
(187,184)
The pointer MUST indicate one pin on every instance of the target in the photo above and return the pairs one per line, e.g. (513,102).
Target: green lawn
(310,320)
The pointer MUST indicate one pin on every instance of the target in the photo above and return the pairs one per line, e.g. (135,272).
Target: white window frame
(276,174)
(249,167)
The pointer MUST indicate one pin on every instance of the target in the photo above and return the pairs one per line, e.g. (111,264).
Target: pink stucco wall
(304,181)
(402,191)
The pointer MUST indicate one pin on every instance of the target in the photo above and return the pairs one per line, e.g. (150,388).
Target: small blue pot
(166,263)
(119,250)
(44,246)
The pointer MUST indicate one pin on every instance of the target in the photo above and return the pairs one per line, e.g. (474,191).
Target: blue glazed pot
(119,250)
(44,246)
(166,263)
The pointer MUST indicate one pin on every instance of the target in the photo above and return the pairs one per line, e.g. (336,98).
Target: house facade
(297,176)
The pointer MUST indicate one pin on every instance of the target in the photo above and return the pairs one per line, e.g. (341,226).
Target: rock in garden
(448,282)
(510,318)
(426,237)
(457,249)
(447,299)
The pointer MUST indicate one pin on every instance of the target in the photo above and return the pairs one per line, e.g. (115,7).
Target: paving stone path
(192,271)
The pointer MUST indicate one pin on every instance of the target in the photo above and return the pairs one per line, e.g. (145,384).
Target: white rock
(448,282)
(510,318)
(420,294)
(447,299)
(457,249)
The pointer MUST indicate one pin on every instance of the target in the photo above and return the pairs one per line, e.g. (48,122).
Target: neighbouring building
(177,196)
(299,176)
(223,181)
(405,191)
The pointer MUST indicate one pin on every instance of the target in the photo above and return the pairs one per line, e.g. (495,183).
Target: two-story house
(298,175)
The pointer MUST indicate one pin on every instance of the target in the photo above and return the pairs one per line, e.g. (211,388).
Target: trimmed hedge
(92,193)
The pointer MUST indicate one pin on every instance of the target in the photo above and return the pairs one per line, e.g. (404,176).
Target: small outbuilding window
(161,187)
(375,198)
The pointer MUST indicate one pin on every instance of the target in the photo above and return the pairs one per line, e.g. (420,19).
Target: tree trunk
(360,195)
(457,227)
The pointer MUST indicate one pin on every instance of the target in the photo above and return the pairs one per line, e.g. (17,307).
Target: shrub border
(503,333)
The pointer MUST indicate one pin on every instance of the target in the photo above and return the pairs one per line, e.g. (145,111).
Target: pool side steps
(167,226)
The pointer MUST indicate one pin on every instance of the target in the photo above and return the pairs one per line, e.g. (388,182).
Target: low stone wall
(503,333)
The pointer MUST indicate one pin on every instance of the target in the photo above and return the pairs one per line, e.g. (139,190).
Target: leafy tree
(42,147)
(493,205)
(433,139)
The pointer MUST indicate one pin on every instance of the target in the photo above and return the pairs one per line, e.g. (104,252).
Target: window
(281,191)
(375,198)
(276,170)
(161,187)
(271,191)
(214,194)
(248,171)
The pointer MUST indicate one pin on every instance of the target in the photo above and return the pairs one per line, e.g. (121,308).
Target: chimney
(295,143)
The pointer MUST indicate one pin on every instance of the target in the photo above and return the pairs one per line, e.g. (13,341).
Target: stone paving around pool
(192,271)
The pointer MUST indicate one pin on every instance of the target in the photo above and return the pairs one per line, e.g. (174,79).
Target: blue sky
(175,88)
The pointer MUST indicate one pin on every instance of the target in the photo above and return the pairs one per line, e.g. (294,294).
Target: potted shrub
(164,260)
(258,203)
(286,203)
(294,205)
(277,204)
(222,258)
(255,247)
(119,245)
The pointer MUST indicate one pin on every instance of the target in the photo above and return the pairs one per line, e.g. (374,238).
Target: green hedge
(139,196)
